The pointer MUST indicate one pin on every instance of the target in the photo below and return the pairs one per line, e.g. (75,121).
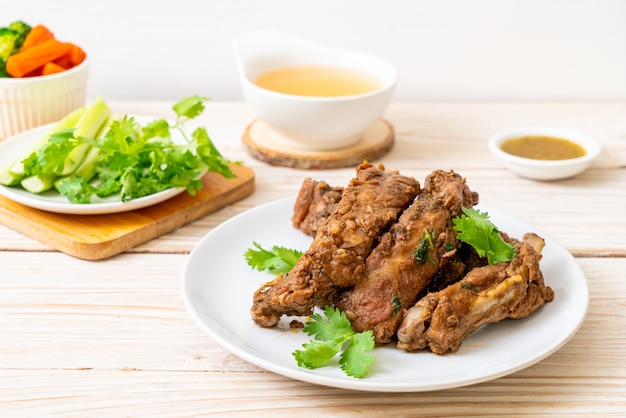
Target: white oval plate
(217,289)
(18,146)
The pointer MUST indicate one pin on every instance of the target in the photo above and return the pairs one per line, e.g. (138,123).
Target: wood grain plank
(139,393)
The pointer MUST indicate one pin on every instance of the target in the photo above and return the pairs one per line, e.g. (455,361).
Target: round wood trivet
(265,145)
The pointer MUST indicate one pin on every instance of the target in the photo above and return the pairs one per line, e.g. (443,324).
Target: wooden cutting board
(95,237)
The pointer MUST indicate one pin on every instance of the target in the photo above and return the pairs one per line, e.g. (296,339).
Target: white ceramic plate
(18,146)
(217,288)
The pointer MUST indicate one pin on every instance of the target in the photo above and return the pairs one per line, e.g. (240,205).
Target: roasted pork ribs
(385,252)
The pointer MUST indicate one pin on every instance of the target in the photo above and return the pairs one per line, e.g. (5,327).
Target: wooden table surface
(112,337)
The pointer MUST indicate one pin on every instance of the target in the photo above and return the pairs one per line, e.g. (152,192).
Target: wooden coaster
(266,145)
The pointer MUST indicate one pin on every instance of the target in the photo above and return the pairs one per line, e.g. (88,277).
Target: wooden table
(112,337)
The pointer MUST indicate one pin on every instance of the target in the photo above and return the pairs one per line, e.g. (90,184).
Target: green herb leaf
(397,306)
(426,244)
(336,327)
(75,189)
(468,286)
(190,107)
(276,260)
(209,155)
(355,360)
(316,353)
(157,129)
(477,230)
(331,336)
(50,158)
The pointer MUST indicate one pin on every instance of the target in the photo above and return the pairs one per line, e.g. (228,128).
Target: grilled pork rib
(315,202)
(441,320)
(407,257)
(336,258)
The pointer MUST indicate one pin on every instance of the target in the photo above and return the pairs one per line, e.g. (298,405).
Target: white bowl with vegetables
(93,162)
(544,153)
(41,80)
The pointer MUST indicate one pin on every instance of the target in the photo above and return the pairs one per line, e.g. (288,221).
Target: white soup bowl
(311,122)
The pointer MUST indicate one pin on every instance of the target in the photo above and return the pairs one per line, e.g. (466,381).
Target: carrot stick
(74,56)
(63,61)
(34,73)
(78,55)
(37,56)
(51,68)
(37,35)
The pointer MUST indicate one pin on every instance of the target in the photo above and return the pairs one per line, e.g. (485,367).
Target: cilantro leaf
(355,360)
(316,353)
(475,229)
(331,336)
(190,107)
(337,326)
(75,189)
(50,158)
(277,259)
(209,155)
(156,129)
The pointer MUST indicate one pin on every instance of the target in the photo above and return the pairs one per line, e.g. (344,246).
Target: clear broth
(540,147)
(317,80)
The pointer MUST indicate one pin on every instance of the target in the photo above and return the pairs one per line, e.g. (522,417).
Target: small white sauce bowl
(310,122)
(545,170)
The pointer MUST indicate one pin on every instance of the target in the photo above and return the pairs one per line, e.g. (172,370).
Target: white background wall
(443,50)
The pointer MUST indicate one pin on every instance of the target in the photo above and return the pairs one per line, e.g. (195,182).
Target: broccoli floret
(22,30)
(8,37)
(3,69)
(11,40)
